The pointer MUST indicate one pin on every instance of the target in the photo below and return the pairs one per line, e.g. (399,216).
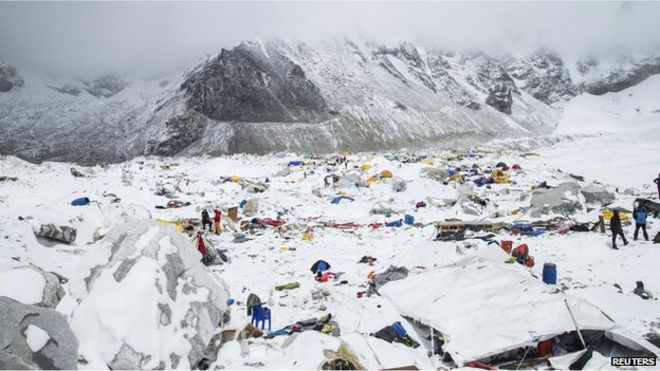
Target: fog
(152,37)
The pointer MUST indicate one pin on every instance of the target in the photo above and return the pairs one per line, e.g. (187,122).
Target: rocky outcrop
(563,199)
(144,281)
(9,78)
(544,76)
(33,337)
(67,89)
(600,78)
(30,284)
(500,94)
(106,86)
(250,84)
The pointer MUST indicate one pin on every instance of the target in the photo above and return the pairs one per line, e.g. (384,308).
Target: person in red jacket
(201,246)
(216,219)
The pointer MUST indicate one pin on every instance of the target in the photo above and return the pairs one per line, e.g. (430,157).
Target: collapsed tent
(483,308)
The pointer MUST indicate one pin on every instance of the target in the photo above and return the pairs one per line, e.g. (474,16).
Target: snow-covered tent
(484,307)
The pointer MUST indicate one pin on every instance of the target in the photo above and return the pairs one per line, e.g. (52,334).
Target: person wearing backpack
(617,229)
(640,216)
(206,220)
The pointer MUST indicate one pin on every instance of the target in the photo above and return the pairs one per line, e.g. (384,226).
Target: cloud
(90,37)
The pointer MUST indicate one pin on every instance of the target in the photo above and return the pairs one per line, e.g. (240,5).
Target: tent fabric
(81,201)
(62,233)
(485,307)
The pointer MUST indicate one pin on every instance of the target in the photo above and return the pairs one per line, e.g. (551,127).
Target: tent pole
(575,323)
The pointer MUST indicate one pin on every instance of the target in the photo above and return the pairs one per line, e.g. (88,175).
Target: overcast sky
(76,37)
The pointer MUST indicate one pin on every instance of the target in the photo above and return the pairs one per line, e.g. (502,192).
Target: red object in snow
(475,364)
(375,225)
(505,168)
(544,348)
(515,167)
(345,225)
(507,246)
(217,216)
(271,222)
(325,276)
(200,245)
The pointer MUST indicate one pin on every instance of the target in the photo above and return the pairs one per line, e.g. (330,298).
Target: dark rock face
(106,86)
(500,92)
(9,78)
(67,89)
(246,84)
(544,77)
(626,75)
(182,131)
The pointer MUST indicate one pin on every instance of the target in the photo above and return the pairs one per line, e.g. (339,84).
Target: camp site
(329,185)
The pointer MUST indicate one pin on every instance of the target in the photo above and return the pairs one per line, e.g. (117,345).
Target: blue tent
(336,200)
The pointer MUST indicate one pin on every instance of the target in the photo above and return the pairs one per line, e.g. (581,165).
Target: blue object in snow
(398,328)
(82,201)
(295,163)
(396,223)
(230,301)
(242,204)
(550,273)
(336,200)
(451,171)
(260,314)
(409,219)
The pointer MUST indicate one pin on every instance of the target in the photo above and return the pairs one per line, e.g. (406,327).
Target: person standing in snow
(640,216)
(657,182)
(617,229)
(206,220)
(216,219)
(201,246)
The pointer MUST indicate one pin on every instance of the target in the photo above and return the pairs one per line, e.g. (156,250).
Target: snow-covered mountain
(265,96)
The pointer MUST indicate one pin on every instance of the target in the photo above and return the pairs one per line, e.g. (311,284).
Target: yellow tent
(365,167)
(607,214)
(386,174)
(456,176)
(372,179)
(427,162)
(307,236)
(235,178)
(499,177)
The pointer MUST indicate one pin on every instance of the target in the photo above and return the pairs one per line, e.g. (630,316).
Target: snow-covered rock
(597,194)
(146,301)
(9,78)
(31,285)
(33,337)
(563,199)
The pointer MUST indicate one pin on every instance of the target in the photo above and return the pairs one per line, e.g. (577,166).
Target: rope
(523,358)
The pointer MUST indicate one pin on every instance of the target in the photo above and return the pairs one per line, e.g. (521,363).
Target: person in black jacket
(617,229)
(657,182)
(206,220)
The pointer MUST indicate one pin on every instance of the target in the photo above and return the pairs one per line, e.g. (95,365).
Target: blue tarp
(409,219)
(395,223)
(295,163)
(81,201)
(336,200)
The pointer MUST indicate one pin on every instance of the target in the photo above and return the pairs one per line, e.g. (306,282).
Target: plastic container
(550,273)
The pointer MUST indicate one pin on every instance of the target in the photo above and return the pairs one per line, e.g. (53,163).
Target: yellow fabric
(235,178)
(284,248)
(386,174)
(427,162)
(607,214)
(308,236)
(217,228)
(365,167)
(499,177)
(457,176)
(342,192)
(372,179)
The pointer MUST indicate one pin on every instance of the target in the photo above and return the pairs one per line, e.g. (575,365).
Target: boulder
(34,337)
(31,285)
(398,184)
(9,78)
(597,194)
(563,199)
(146,301)
(435,173)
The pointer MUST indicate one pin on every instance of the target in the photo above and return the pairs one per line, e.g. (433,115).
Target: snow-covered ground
(618,156)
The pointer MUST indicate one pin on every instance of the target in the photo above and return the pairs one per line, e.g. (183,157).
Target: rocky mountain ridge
(265,96)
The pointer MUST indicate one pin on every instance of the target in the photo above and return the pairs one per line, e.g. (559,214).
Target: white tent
(484,307)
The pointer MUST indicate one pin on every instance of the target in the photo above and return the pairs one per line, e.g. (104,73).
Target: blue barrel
(409,219)
(550,273)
